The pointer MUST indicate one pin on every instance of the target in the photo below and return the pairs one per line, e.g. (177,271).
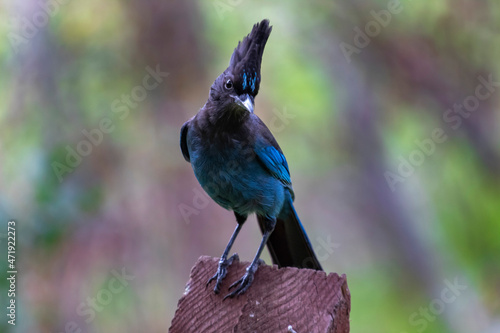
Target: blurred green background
(382,108)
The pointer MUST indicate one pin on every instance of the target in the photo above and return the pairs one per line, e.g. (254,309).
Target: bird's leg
(224,261)
(245,282)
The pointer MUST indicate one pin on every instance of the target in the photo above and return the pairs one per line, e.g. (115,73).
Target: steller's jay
(241,166)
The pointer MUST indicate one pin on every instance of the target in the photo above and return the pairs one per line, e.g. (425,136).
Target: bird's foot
(245,281)
(222,271)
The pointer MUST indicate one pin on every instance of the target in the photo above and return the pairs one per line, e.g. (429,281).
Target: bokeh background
(396,186)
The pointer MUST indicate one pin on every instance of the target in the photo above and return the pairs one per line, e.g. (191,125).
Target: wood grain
(306,300)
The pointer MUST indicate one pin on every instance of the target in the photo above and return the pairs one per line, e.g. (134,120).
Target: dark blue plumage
(241,166)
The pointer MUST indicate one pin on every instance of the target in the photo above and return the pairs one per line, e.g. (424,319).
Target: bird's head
(235,89)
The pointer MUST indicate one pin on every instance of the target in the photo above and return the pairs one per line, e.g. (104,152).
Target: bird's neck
(228,120)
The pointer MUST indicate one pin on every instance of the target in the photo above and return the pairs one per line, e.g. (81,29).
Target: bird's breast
(234,178)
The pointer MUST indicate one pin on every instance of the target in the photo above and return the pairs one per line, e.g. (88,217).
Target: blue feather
(275,163)
(244,81)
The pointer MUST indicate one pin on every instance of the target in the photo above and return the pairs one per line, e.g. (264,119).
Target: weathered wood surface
(279,300)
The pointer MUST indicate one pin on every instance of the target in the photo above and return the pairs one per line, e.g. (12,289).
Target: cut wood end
(279,300)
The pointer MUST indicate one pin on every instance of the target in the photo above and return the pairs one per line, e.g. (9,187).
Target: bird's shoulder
(184,140)
(262,134)
(269,152)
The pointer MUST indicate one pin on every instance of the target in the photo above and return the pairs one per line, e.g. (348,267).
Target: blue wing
(275,162)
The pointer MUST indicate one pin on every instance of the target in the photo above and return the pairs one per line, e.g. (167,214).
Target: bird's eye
(228,85)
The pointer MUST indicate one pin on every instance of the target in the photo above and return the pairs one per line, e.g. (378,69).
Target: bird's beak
(245,101)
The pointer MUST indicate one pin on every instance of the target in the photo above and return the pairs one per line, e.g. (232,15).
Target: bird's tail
(288,244)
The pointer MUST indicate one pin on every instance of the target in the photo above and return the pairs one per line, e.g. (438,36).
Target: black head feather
(241,80)
(244,66)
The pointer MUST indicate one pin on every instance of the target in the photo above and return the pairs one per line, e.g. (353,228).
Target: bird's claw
(245,281)
(222,271)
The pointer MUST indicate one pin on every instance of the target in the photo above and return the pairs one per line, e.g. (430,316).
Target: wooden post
(279,300)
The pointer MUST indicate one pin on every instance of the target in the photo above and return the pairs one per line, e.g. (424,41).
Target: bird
(240,165)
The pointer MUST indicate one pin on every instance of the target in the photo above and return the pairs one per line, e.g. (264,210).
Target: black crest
(247,57)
